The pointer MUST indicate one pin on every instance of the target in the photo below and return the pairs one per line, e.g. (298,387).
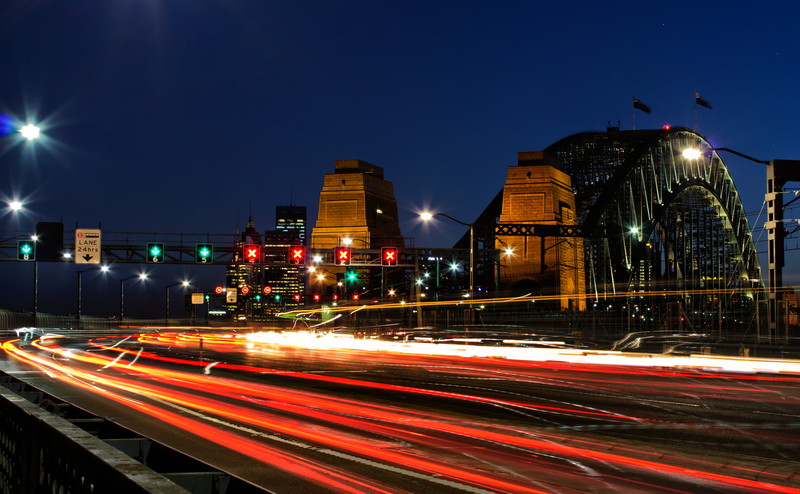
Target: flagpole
(695,111)
(633,112)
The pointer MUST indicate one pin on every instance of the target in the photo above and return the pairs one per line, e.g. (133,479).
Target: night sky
(177,116)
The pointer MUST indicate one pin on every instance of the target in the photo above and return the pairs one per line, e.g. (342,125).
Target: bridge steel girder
(654,220)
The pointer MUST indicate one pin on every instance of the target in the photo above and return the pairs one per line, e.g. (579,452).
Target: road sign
(198,298)
(87,246)
(267,290)
(230,295)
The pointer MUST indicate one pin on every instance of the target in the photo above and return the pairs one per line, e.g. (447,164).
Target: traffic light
(296,297)
(204,253)
(252,253)
(335,297)
(355,296)
(277,297)
(245,289)
(208,297)
(350,275)
(26,250)
(297,254)
(316,297)
(155,252)
(219,289)
(341,256)
(389,256)
(258,297)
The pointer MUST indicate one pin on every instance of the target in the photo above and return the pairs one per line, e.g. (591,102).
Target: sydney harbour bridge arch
(660,219)
(658,226)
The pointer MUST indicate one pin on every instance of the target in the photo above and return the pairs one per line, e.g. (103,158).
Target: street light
(428,216)
(102,268)
(691,153)
(15,205)
(185,285)
(142,277)
(30,132)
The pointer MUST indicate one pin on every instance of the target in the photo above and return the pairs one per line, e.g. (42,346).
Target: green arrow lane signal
(26,250)
(204,253)
(155,252)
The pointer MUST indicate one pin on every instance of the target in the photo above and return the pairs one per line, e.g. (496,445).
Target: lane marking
(781,414)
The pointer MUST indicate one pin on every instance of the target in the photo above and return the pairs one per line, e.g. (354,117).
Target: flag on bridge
(638,105)
(699,100)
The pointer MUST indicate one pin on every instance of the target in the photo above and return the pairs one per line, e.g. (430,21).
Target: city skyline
(177,117)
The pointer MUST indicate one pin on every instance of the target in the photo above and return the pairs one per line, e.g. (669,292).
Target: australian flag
(638,105)
(699,100)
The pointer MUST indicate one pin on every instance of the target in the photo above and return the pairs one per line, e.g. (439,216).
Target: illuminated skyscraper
(240,274)
(291,219)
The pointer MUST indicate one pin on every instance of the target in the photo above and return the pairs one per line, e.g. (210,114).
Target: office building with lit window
(291,219)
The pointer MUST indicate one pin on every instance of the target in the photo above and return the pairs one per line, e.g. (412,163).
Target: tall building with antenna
(291,219)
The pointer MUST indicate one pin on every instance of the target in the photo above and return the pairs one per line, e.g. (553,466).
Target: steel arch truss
(662,222)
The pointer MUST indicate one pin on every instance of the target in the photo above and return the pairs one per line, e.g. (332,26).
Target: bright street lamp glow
(321,277)
(34,238)
(509,251)
(143,276)
(15,206)
(347,241)
(317,259)
(29,132)
(311,269)
(185,283)
(635,230)
(104,268)
(426,216)
(691,154)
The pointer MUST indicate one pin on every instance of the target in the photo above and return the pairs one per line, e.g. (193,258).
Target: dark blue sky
(175,116)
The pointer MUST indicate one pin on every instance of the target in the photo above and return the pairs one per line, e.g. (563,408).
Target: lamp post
(142,276)
(778,173)
(103,268)
(428,216)
(184,283)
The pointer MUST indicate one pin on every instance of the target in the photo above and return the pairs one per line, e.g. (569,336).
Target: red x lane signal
(389,256)
(341,256)
(297,254)
(252,254)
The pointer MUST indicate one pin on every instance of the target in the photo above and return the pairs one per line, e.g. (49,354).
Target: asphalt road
(300,417)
